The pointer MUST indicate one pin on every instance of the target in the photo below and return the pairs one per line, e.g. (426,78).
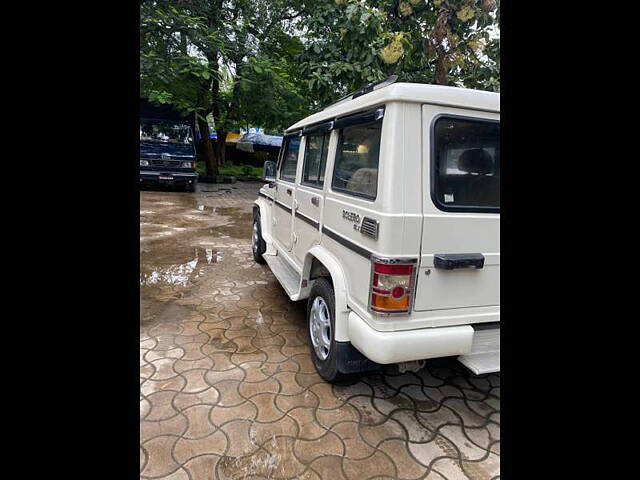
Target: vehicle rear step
(484,356)
(481,362)
(288,278)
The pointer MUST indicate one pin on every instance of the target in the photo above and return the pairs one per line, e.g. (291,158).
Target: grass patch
(233,170)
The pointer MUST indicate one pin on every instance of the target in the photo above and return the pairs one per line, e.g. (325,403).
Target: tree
(231,59)
(171,71)
(271,62)
(349,43)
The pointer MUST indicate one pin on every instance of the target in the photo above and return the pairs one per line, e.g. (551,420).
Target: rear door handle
(288,191)
(451,261)
(315,201)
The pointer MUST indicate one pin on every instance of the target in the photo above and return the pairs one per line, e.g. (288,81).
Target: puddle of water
(173,274)
(232,212)
(240,226)
(153,271)
(182,238)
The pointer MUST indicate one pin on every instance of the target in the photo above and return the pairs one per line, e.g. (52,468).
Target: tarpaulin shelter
(252,148)
(232,138)
(252,142)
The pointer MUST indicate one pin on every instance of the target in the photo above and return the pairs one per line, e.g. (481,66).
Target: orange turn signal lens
(389,304)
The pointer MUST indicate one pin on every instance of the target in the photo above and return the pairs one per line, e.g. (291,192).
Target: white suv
(384,212)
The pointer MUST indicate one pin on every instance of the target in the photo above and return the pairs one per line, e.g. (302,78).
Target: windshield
(166,133)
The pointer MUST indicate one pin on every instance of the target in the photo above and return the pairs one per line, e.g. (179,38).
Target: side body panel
(397,207)
(309,213)
(285,203)
(282,213)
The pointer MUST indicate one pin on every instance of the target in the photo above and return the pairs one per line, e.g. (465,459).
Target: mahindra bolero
(383,211)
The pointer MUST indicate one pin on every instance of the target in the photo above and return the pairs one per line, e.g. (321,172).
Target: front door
(310,193)
(285,193)
(461,210)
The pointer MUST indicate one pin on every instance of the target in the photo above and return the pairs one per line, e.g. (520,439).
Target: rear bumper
(409,345)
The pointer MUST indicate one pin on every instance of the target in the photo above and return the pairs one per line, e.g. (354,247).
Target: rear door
(310,191)
(461,210)
(285,192)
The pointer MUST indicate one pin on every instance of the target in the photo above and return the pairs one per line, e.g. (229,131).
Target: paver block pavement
(227,388)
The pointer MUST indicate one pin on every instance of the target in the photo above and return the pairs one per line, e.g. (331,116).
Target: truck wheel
(258,246)
(321,318)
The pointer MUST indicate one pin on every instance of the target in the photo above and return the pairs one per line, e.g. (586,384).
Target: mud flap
(350,360)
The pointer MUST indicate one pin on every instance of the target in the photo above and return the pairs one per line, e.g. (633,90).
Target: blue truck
(167,154)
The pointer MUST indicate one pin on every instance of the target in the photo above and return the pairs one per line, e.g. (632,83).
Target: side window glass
(290,160)
(356,167)
(315,159)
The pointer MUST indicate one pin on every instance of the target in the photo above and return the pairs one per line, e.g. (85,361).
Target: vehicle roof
(409,92)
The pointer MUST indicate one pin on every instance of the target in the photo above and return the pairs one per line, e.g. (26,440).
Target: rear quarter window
(466,164)
(357,157)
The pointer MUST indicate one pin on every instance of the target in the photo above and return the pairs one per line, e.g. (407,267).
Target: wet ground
(227,389)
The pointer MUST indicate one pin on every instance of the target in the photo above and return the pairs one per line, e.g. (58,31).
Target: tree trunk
(221,146)
(440,32)
(207,149)
(215,23)
(442,74)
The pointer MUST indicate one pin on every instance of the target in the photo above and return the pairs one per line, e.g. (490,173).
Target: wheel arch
(262,210)
(319,260)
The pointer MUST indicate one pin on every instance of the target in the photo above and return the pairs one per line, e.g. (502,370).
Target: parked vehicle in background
(167,154)
(383,211)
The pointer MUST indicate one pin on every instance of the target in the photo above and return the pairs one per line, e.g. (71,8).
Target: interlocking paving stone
(227,386)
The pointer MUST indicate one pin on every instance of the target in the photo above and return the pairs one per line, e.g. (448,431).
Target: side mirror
(269,171)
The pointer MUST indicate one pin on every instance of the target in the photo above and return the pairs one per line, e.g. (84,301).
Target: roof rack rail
(370,87)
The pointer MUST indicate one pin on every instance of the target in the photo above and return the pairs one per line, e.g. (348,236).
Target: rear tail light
(392,285)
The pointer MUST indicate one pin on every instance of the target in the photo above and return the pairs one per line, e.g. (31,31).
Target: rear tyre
(258,246)
(321,320)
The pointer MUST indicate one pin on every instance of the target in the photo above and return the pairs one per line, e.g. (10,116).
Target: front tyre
(258,246)
(321,319)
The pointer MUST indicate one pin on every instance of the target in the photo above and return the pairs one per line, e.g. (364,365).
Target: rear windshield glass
(357,155)
(467,164)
